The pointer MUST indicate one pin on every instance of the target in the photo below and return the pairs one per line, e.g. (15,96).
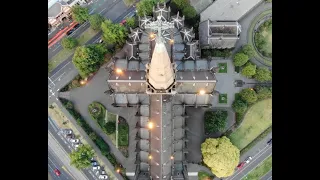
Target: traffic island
(223,67)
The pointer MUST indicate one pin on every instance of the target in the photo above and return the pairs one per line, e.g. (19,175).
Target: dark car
(76,26)
(241,165)
(57,172)
(269,142)
(70,32)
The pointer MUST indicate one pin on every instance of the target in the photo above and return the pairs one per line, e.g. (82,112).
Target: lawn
(204,176)
(223,98)
(123,134)
(111,117)
(261,170)
(257,119)
(223,67)
(263,39)
(64,54)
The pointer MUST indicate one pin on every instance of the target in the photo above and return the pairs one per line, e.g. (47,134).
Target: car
(103,176)
(76,145)
(68,131)
(241,165)
(123,22)
(95,163)
(70,32)
(269,142)
(103,172)
(95,167)
(57,172)
(248,159)
(74,140)
(76,26)
(100,41)
(70,136)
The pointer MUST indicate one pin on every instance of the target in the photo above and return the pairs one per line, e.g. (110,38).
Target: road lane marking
(52,162)
(269,177)
(50,167)
(102,10)
(257,166)
(55,48)
(60,69)
(248,166)
(260,151)
(53,124)
(65,169)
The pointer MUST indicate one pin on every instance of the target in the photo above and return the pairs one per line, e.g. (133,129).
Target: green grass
(223,67)
(256,140)
(258,172)
(256,120)
(64,54)
(223,98)
(111,117)
(260,58)
(123,135)
(204,175)
(100,113)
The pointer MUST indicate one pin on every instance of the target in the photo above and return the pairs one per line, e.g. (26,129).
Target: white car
(248,159)
(74,140)
(103,177)
(103,173)
(68,131)
(101,41)
(95,167)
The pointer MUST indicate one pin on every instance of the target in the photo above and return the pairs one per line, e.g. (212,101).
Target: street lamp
(171,157)
(150,157)
(171,41)
(152,35)
(119,71)
(202,92)
(150,125)
(118,170)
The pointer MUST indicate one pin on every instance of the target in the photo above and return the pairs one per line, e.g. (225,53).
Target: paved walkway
(245,24)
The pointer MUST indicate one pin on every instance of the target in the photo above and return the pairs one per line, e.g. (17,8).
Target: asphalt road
(268,176)
(110,9)
(67,147)
(55,163)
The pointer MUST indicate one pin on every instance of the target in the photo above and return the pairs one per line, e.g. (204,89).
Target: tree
(113,33)
(240,59)
(96,21)
(130,21)
(103,146)
(81,158)
(249,70)
(93,136)
(249,95)
(189,12)
(87,59)
(110,127)
(220,155)
(263,92)
(215,121)
(145,7)
(239,106)
(79,14)
(248,50)
(263,74)
(69,43)
(181,4)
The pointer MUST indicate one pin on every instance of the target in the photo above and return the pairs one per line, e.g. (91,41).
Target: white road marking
(103,10)
(52,162)
(260,151)
(257,165)
(269,178)
(50,167)
(60,69)
(55,48)
(53,125)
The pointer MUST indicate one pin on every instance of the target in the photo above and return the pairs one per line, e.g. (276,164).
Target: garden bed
(204,176)
(123,136)
(256,120)
(223,67)
(223,98)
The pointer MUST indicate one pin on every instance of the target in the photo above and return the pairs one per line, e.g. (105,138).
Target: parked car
(103,177)
(74,140)
(95,167)
(69,136)
(269,142)
(101,41)
(76,26)
(248,159)
(70,32)
(95,163)
(241,165)
(123,22)
(57,172)
(68,131)
(103,172)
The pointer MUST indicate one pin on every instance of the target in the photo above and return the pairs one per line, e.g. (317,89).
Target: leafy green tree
(239,106)
(130,21)
(81,158)
(145,7)
(248,50)
(110,127)
(113,33)
(215,121)
(220,155)
(249,95)
(263,92)
(93,136)
(79,14)
(249,70)
(189,12)
(240,59)
(103,146)
(69,43)
(87,59)
(263,74)
(96,21)
(181,4)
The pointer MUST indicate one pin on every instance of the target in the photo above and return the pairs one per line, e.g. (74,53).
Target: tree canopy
(69,43)
(181,4)
(240,59)
(249,70)
(87,59)
(80,14)
(145,7)
(96,21)
(131,22)
(263,74)
(239,106)
(249,95)
(113,33)
(110,127)
(263,92)
(81,158)
(215,121)
(189,12)
(248,50)
(220,155)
